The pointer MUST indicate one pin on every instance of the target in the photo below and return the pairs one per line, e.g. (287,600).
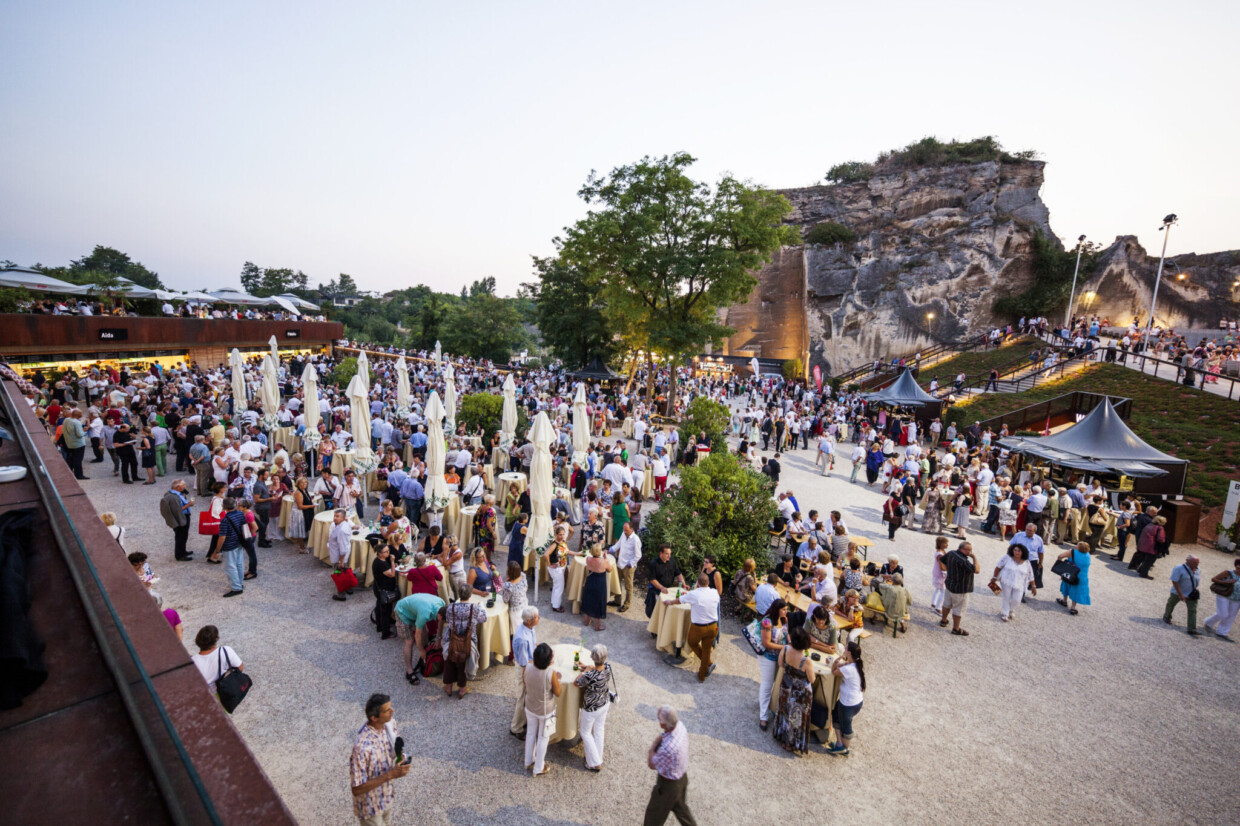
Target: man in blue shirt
(412,493)
(395,479)
(766,594)
(524,641)
(418,443)
(1184,582)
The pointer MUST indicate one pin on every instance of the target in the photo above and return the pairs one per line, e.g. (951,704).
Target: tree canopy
(570,313)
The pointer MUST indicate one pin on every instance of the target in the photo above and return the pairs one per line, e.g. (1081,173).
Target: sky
(408,143)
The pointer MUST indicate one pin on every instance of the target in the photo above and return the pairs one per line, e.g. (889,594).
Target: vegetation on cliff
(1053,267)
(829,233)
(927,152)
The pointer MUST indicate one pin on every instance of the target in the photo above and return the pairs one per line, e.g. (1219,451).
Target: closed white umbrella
(438,355)
(581,426)
(508,421)
(539,529)
(363,369)
(359,410)
(402,388)
(753,364)
(275,351)
(238,381)
(270,394)
(310,391)
(437,492)
(449,396)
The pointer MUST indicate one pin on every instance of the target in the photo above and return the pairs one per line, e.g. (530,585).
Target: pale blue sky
(413,143)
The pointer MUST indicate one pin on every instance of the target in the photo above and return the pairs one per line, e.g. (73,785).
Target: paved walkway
(1007,725)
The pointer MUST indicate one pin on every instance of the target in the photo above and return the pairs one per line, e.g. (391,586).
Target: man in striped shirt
(669,756)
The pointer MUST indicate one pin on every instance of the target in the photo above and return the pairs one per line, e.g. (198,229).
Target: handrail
(934,350)
(1007,370)
(49,496)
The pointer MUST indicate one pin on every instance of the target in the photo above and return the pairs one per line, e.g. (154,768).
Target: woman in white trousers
(1013,574)
(542,686)
(595,683)
(1225,607)
(774,637)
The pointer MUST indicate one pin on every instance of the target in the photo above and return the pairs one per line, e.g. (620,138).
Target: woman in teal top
(619,513)
(1078,594)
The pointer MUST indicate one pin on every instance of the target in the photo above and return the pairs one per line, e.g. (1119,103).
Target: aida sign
(113,334)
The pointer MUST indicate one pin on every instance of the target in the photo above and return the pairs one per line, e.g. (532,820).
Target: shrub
(343,373)
(828,233)
(850,172)
(487,410)
(793,369)
(720,507)
(704,415)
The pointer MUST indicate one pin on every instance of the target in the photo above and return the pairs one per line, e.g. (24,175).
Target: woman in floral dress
(484,525)
(796,693)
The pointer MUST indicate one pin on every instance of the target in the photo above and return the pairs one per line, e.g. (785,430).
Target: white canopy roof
(35,280)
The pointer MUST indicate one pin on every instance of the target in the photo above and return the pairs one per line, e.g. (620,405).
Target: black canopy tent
(1101,443)
(906,392)
(596,371)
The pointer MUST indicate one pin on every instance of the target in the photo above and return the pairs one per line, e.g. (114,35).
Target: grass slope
(978,362)
(1200,427)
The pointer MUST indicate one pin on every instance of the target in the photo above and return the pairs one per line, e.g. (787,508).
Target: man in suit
(175,508)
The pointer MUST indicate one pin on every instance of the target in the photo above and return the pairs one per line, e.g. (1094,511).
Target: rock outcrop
(935,247)
(1197,291)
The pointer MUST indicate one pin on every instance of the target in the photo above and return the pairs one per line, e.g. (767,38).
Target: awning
(34,280)
(281,301)
(903,392)
(239,298)
(298,301)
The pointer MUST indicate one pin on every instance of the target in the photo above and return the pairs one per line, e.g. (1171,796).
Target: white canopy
(228,296)
(271,388)
(37,281)
(297,301)
(539,530)
(284,303)
(359,416)
(508,421)
(581,426)
(238,381)
(449,395)
(200,298)
(437,492)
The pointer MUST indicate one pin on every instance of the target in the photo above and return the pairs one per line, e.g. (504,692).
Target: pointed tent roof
(1100,441)
(596,370)
(903,392)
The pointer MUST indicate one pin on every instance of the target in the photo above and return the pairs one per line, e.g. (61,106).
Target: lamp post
(1168,221)
(1080,245)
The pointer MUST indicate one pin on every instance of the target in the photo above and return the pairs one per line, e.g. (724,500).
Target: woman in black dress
(594,590)
(147,446)
(384,571)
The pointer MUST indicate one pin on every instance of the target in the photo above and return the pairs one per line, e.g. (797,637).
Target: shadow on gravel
(509,816)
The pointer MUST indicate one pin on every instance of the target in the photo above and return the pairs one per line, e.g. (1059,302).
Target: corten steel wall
(25,334)
(772,324)
(72,754)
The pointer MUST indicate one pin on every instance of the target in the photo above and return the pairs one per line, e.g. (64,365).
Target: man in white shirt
(703,602)
(342,438)
(786,508)
(351,494)
(639,432)
(327,486)
(628,551)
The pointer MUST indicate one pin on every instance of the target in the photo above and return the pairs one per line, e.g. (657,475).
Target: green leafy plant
(486,410)
(343,372)
(829,233)
(704,415)
(720,507)
(1053,267)
(850,172)
(793,369)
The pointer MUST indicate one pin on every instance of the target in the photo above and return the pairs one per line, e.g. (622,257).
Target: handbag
(1223,589)
(1066,570)
(459,644)
(615,692)
(232,685)
(1097,518)
(753,633)
(345,579)
(208,525)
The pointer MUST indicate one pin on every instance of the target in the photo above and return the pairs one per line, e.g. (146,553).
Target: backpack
(460,642)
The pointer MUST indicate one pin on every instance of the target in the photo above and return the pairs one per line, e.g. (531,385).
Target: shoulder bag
(208,525)
(459,644)
(753,634)
(1067,570)
(232,684)
(1224,589)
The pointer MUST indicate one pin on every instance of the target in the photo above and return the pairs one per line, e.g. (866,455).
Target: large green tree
(484,326)
(570,313)
(113,261)
(261,282)
(667,251)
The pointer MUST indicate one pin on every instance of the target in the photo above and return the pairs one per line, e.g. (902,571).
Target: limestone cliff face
(945,241)
(1123,282)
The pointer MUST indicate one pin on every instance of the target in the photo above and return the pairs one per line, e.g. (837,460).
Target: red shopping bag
(345,579)
(208,525)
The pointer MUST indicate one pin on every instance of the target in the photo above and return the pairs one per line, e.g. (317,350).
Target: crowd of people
(933,478)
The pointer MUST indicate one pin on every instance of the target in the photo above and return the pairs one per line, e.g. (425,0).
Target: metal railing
(938,349)
(1014,373)
(1075,404)
(133,688)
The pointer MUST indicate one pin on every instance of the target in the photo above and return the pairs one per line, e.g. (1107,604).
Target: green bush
(828,233)
(720,507)
(793,369)
(343,373)
(850,172)
(487,410)
(1053,267)
(704,415)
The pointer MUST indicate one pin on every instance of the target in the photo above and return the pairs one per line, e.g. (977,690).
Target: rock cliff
(1197,291)
(935,248)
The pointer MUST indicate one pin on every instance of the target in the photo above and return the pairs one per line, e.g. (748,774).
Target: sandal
(1073,611)
(960,632)
(1062,602)
(250,576)
(461,694)
(942,623)
(215,561)
(762,724)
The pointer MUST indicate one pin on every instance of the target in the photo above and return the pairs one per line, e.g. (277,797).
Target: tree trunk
(628,387)
(650,379)
(671,387)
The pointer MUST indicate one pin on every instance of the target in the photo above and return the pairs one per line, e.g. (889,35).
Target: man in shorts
(412,614)
(959,567)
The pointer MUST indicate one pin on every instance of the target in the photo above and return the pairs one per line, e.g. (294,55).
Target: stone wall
(773,323)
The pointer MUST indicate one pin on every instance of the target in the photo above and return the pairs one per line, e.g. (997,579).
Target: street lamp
(1168,221)
(1089,299)
(930,321)
(1080,245)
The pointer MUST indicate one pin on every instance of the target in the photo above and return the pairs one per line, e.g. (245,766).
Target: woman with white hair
(595,683)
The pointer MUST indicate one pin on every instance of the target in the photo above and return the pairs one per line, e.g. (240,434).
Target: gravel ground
(1070,719)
